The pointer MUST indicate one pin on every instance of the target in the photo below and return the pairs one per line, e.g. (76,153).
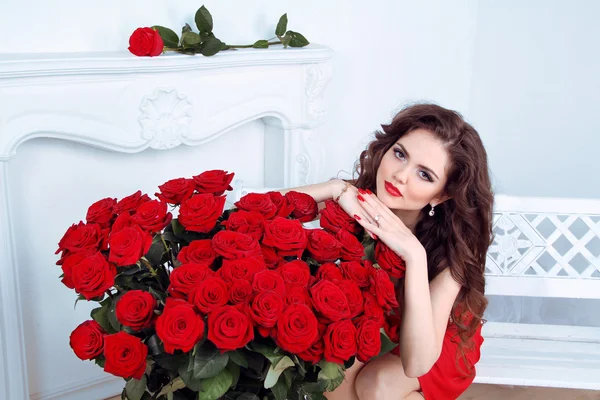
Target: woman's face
(412,173)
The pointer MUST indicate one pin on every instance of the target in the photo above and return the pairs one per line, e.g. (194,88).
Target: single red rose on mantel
(146,42)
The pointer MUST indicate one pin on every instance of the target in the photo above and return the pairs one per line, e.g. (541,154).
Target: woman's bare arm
(319,191)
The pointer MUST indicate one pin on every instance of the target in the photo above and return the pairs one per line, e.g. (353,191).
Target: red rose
(243,268)
(330,300)
(272,259)
(259,202)
(268,280)
(176,191)
(392,327)
(330,272)
(295,273)
(297,295)
(229,329)
(123,221)
(314,353)
(185,278)
(354,296)
(146,42)
(356,272)
(287,236)
(266,308)
(135,309)
(199,252)
(180,326)
(93,276)
(232,245)
(209,294)
(284,208)
(87,340)
(240,291)
(128,245)
(131,202)
(352,248)
(334,218)
(372,308)
(67,266)
(368,339)
(305,207)
(323,246)
(340,341)
(249,222)
(214,181)
(297,329)
(201,212)
(81,237)
(389,261)
(152,216)
(101,212)
(125,355)
(383,289)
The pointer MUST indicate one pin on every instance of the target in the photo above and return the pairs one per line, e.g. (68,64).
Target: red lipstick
(392,190)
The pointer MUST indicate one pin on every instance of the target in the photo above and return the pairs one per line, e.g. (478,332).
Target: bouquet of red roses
(244,303)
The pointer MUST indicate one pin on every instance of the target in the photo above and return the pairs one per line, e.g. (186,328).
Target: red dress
(445,381)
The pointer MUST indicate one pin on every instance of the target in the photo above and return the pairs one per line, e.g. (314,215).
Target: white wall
(535,95)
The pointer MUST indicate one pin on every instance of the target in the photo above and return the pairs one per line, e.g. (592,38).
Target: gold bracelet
(337,199)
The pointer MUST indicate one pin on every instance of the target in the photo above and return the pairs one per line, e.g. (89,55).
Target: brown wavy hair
(460,232)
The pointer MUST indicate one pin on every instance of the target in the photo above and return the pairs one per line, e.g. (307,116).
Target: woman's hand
(378,219)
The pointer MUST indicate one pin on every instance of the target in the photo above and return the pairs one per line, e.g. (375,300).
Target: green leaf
(296,39)
(281,25)
(248,396)
(280,390)
(261,44)
(100,315)
(135,388)
(204,20)
(112,314)
(209,362)
(186,28)
(211,46)
(157,249)
(215,387)
(187,375)
(276,370)
(331,373)
(100,361)
(235,372)
(268,351)
(190,39)
(237,357)
(386,344)
(172,362)
(169,37)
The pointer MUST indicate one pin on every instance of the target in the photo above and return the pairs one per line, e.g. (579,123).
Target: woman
(423,188)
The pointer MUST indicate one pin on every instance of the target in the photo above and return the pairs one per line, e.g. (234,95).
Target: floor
(495,392)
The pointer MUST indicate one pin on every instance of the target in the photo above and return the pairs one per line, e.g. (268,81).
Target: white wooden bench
(543,247)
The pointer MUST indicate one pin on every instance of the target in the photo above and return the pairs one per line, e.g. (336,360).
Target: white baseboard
(92,389)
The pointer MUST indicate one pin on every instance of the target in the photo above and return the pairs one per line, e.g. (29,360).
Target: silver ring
(377,217)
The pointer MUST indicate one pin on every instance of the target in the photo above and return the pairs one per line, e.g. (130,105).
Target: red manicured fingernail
(362,191)
(375,236)
(356,217)
(368,191)
(360,198)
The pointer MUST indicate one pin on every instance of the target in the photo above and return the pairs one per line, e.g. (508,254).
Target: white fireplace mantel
(122,103)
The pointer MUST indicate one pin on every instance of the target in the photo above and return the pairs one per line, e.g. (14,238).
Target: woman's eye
(399,154)
(425,176)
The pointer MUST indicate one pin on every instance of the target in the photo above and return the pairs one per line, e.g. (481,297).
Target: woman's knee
(384,378)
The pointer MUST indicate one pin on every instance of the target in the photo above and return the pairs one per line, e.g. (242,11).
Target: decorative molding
(94,388)
(166,118)
(317,78)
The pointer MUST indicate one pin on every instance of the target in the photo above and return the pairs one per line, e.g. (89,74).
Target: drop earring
(432,211)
